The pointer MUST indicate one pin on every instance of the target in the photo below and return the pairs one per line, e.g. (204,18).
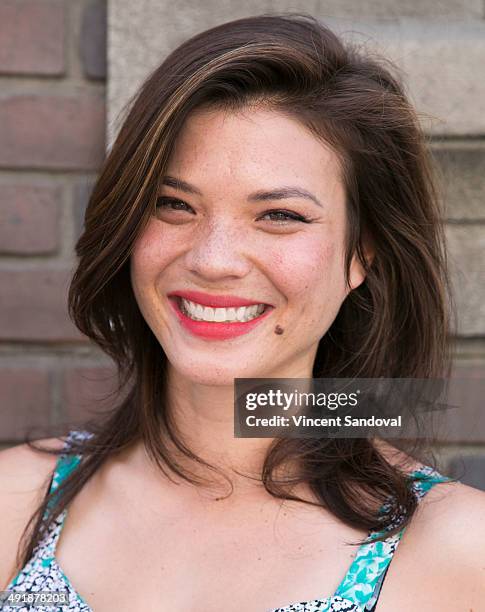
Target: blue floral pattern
(358,591)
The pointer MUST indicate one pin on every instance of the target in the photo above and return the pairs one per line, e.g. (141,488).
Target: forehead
(249,143)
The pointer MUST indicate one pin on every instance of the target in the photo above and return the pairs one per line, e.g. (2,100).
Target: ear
(357,272)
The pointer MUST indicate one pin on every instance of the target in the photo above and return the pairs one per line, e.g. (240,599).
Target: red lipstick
(213,330)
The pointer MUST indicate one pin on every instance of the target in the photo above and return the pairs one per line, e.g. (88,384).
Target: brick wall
(52,141)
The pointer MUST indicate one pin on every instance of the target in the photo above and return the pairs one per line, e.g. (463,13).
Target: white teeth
(207,314)
(218,315)
(240,314)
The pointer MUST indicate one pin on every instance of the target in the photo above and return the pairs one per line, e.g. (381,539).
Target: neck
(203,416)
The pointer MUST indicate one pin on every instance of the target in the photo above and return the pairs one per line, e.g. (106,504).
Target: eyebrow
(258,196)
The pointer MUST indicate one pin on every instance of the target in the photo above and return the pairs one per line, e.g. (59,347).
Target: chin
(211,373)
(214,379)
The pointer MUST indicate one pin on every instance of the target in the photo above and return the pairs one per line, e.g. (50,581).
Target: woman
(267,210)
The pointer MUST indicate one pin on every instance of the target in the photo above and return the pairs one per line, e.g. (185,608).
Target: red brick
(32,37)
(92,43)
(30,215)
(25,398)
(52,132)
(33,305)
(84,391)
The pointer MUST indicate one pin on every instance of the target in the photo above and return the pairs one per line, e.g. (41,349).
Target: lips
(215,301)
(215,330)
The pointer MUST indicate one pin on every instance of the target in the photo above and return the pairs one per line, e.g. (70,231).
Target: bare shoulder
(440,562)
(24,477)
(441,553)
(454,514)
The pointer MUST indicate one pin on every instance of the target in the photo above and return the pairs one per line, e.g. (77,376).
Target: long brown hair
(395,324)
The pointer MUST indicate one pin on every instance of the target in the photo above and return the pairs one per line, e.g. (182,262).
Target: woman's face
(259,213)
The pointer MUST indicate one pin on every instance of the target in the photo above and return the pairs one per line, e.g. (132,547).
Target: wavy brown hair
(395,324)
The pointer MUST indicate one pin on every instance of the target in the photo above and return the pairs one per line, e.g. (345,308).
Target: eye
(283,216)
(166,203)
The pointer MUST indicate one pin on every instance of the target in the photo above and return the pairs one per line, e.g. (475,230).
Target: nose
(218,251)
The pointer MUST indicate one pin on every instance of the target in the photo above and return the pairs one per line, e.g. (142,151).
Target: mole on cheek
(278,330)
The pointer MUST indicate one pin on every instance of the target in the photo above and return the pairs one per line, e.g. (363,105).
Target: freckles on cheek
(142,261)
(303,264)
(153,250)
(325,256)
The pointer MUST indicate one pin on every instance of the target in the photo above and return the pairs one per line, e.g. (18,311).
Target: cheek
(152,252)
(309,265)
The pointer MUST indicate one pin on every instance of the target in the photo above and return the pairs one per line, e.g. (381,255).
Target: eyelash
(291,216)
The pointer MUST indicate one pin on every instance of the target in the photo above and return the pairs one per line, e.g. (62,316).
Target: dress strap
(363,582)
(66,462)
(44,551)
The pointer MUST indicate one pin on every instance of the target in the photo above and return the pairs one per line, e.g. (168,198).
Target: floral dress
(358,591)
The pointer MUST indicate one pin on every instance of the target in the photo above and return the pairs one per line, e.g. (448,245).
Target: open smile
(218,323)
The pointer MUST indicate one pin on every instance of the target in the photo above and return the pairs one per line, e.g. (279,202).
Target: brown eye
(285,215)
(166,203)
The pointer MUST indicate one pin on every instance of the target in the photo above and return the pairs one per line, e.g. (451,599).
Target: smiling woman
(267,211)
